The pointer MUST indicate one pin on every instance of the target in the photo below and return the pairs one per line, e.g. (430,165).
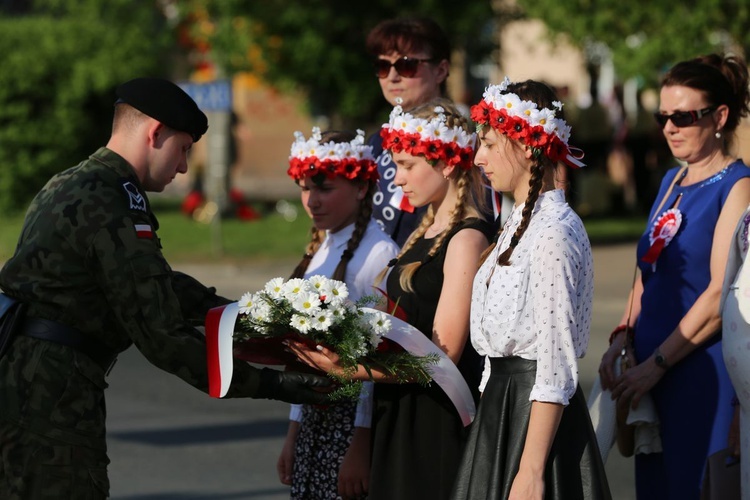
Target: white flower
(260,312)
(523,108)
(274,288)
(379,322)
(322,320)
(301,323)
(335,292)
(435,130)
(306,302)
(293,287)
(246,302)
(375,339)
(337,313)
(318,283)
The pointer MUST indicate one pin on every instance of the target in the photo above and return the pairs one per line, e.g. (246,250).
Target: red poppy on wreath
(663,230)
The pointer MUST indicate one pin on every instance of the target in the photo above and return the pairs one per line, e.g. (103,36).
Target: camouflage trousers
(35,467)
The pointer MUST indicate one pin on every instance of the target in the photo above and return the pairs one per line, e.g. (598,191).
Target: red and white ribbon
(219,331)
(444,373)
(220,323)
(662,232)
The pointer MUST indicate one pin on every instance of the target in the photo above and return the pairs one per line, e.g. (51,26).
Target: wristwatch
(660,359)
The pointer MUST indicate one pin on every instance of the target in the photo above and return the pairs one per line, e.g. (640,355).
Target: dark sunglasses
(405,66)
(683,118)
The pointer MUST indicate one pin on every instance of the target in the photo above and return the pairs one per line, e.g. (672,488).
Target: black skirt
(493,452)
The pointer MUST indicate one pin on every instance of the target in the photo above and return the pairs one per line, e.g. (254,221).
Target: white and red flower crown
(351,160)
(430,138)
(523,121)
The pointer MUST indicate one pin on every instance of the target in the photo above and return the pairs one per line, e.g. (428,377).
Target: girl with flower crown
(417,432)
(531,313)
(327,449)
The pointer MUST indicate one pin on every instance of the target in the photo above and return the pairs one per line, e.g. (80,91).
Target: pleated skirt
(493,451)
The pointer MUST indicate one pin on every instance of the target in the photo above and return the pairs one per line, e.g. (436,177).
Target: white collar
(339,238)
(552,196)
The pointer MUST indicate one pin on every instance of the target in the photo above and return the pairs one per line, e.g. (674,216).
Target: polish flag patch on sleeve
(144,231)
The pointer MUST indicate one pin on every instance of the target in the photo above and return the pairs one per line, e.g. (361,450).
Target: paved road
(168,441)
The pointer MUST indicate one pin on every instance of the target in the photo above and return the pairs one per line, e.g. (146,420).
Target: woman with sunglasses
(670,333)
(411,63)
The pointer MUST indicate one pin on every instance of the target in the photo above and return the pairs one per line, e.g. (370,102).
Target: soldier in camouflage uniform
(90,270)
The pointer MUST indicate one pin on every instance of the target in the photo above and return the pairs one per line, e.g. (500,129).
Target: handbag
(11,314)
(722,478)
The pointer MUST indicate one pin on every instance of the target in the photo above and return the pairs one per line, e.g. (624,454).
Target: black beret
(166,102)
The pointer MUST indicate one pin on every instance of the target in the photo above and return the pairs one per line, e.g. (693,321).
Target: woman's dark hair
(723,80)
(360,225)
(543,96)
(410,35)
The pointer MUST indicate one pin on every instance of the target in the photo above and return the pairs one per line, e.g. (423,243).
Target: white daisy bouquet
(317,311)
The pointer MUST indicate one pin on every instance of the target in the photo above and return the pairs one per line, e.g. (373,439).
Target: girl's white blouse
(538,307)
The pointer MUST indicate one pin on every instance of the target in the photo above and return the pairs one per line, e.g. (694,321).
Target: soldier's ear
(155,133)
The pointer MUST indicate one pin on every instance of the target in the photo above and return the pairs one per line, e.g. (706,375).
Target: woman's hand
(613,355)
(637,381)
(319,357)
(285,464)
(354,474)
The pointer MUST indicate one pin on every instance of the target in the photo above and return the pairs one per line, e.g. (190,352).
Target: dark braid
(360,226)
(316,239)
(535,187)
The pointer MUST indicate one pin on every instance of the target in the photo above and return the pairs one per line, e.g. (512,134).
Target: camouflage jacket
(89,257)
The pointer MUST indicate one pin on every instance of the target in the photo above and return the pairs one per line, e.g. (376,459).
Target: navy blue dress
(693,399)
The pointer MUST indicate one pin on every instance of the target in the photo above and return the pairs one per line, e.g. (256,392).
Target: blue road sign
(210,96)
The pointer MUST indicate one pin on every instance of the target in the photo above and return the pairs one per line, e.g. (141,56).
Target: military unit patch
(136,199)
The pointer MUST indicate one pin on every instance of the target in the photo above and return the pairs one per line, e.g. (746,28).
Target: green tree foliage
(61,61)
(318,46)
(648,36)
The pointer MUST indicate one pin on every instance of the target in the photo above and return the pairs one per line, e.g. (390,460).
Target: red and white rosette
(662,232)
(220,323)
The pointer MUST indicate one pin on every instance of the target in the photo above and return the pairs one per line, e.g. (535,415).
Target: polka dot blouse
(539,307)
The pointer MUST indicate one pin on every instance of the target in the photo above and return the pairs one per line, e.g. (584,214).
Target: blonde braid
(427,219)
(360,226)
(316,239)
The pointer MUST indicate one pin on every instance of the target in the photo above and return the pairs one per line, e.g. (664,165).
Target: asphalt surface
(168,441)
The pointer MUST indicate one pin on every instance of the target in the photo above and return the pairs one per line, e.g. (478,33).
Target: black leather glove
(293,387)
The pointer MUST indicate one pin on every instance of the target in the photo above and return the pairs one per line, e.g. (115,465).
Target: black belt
(53,331)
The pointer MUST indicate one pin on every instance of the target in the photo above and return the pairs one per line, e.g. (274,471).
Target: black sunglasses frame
(405,66)
(683,118)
